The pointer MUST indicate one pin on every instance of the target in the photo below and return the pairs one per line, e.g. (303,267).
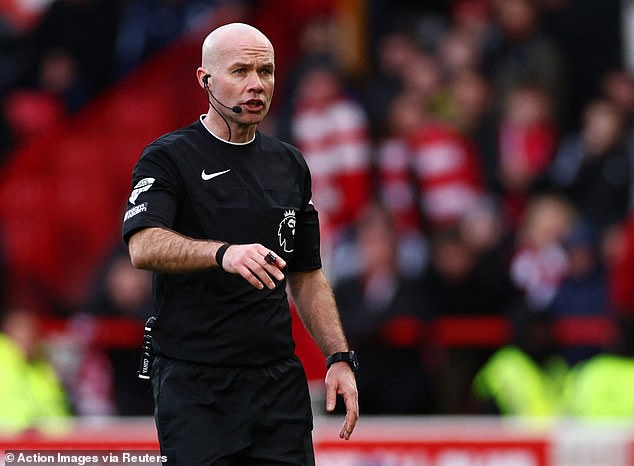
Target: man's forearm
(166,251)
(317,308)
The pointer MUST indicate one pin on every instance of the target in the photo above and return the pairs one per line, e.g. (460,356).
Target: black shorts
(232,416)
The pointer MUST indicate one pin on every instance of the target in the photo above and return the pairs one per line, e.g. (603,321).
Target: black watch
(346,356)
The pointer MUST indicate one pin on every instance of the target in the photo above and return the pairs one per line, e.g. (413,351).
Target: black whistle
(147,353)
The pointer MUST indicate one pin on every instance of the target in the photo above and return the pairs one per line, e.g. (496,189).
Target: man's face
(243,74)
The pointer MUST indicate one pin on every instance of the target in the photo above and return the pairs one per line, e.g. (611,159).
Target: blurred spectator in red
(583,290)
(539,262)
(518,52)
(316,47)
(395,184)
(594,167)
(331,129)
(384,315)
(527,141)
(429,173)
(122,291)
(447,172)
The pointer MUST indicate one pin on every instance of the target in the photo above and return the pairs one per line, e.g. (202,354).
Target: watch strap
(349,357)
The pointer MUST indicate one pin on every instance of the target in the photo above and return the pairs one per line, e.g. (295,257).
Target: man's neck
(221,131)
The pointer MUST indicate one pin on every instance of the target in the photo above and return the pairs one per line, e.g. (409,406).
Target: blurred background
(472,163)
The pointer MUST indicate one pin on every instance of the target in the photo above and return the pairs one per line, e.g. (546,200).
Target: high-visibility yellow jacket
(519,386)
(601,387)
(30,391)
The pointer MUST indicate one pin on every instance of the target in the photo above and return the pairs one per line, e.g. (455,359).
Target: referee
(222,215)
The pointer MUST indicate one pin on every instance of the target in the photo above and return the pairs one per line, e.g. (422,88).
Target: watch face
(354,361)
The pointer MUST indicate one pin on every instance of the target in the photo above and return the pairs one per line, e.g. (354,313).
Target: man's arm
(317,308)
(166,251)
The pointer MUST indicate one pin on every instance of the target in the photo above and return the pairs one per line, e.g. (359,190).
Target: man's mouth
(253,104)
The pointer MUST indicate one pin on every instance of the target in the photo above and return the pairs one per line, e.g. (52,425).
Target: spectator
(594,167)
(527,140)
(618,87)
(122,291)
(583,291)
(489,240)
(30,393)
(59,75)
(86,31)
(447,172)
(383,315)
(458,53)
(394,51)
(539,262)
(331,129)
(395,164)
(472,114)
(423,76)
(317,48)
(517,53)
(395,184)
(454,285)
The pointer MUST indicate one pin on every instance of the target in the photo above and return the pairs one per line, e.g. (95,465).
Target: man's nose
(255,83)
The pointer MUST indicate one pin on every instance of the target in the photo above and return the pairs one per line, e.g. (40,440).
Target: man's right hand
(248,260)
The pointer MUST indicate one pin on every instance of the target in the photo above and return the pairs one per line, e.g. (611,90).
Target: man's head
(240,62)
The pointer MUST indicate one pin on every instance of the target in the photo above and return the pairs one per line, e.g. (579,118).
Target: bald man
(223,216)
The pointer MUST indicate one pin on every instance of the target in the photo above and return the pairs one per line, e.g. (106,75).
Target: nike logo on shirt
(207,177)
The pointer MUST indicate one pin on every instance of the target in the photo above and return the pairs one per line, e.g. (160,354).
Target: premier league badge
(286,231)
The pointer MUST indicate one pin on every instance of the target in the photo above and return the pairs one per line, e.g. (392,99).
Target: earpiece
(206,79)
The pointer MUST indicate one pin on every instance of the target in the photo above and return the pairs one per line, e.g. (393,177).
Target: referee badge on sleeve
(140,187)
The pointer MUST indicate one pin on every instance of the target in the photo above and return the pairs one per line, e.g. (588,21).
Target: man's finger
(261,274)
(349,424)
(331,398)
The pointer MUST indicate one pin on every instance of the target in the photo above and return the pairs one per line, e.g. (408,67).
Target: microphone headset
(234,109)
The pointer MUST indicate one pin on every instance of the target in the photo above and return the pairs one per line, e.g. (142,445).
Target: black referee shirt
(196,184)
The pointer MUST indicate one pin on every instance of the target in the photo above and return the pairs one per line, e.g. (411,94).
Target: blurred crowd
(476,160)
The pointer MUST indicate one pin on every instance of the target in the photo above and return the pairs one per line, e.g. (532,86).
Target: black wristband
(349,357)
(220,253)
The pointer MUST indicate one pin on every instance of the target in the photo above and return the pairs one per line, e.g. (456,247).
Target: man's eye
(239,71)
(266,71)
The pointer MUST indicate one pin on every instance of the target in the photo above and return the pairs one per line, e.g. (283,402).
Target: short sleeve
(155,194)
(306,256)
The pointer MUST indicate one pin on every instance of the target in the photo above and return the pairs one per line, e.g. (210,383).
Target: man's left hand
(340,380)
